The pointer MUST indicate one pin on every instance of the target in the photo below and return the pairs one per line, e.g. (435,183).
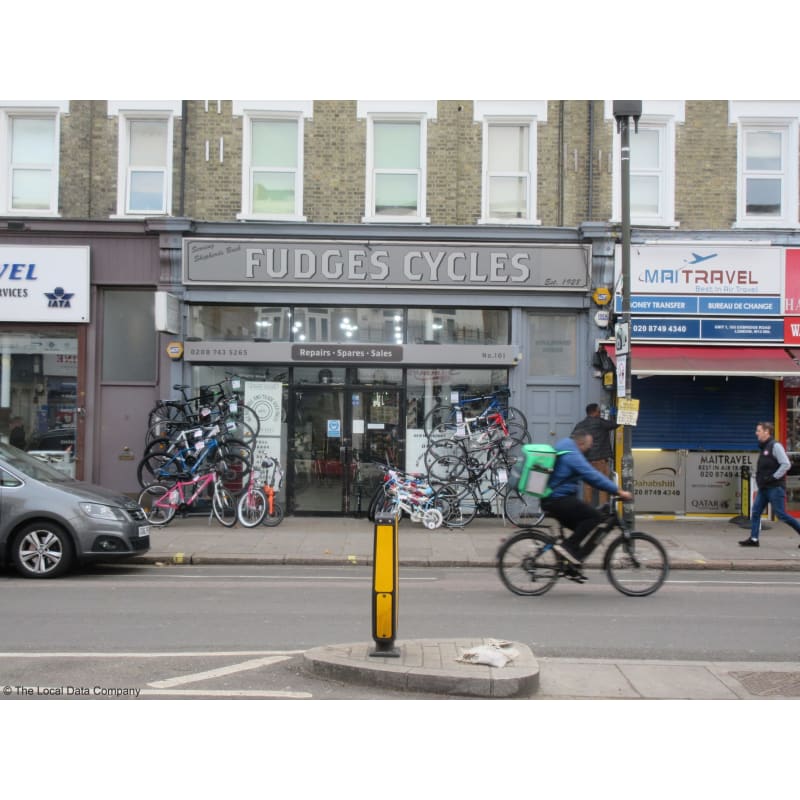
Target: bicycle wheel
(522,510)
(447,468)
(276,517)
(527,563)
(438,415)
(157,513)
(458,503)
(158,468)
(223,503)
(251,508)
(637,564)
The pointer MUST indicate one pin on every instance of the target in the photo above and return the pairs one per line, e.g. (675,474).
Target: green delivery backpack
(536,467)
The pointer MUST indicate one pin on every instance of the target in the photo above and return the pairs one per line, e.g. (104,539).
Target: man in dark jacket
(563,504)
(599,454)
(771,469)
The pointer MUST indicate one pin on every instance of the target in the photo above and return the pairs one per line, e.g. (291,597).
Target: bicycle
(161,502)
(257,503)
(495,402)
(635,563)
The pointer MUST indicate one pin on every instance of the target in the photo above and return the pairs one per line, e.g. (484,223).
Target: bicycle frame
(176,496)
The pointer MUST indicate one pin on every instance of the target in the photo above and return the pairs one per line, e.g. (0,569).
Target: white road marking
(254,663)
(193,654)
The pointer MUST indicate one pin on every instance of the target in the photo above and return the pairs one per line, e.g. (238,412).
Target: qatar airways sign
(385,264)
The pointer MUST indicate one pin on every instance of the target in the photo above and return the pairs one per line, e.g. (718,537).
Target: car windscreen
(32,467)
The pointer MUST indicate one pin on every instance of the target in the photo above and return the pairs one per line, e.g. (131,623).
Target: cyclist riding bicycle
(563,503)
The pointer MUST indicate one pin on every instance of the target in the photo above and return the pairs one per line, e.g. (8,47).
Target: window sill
(779,224)
(393,220)
(30,214)
(138,216)
(490,221)
(244,217)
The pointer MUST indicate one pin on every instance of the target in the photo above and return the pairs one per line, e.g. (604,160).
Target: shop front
(711,357)
(346,345)
(45,302)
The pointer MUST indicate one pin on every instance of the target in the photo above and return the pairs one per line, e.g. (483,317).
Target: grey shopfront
(354,339)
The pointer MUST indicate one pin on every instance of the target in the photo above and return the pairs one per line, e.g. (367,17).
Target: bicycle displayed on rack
(635,563)
(257,503)
(161,501)
(451,415)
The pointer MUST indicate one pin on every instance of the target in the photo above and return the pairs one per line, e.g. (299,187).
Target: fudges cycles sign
(44,284)
(385,264)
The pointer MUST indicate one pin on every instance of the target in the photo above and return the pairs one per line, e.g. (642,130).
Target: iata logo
(58,298)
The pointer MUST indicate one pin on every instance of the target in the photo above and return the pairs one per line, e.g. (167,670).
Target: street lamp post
(624,111)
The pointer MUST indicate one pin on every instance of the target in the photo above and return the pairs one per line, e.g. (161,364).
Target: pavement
(450,666)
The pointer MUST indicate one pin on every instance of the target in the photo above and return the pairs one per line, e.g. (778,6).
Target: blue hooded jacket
(571,468)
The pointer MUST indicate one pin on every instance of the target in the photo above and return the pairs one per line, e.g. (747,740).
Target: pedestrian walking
(771,469)
(599,454)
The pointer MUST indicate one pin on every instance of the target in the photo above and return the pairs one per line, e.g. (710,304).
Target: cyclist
(563,503)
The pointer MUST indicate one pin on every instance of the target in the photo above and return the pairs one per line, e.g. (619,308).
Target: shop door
(339,434)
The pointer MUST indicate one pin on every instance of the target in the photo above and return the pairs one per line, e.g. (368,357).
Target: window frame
(163,111)
(788,216)
(662,116)
(396,111)
(248,117)
(9,113)
(530,217)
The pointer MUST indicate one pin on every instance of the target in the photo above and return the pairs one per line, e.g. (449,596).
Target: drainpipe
(560,163)
(184,124)
(590,163)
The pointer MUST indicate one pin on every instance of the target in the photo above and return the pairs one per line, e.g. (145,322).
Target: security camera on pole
(624,110)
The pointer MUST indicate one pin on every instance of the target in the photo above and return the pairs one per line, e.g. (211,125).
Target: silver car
(50,522)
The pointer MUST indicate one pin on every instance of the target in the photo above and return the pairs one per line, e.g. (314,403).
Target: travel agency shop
(715,348)
(347,336)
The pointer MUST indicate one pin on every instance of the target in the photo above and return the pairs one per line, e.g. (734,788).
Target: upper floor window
(272,158)
(652,164)
(144,164)
(508,193)
(767,184)
(29,138)
(396,160)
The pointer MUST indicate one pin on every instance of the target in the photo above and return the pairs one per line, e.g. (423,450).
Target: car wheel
(42,550)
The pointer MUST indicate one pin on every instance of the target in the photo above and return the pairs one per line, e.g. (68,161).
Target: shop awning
(756,362)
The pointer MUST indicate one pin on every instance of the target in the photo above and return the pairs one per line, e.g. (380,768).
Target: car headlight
(99,511)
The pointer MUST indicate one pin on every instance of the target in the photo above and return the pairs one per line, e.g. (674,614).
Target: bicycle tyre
(223,504)
(522,510)
(636,565)
(251,508)
(276,517)
(447,468)
(527,563)
(458,503)
(158,468)
(156,515)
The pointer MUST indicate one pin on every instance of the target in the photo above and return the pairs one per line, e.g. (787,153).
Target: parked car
(50,523)
(54,439)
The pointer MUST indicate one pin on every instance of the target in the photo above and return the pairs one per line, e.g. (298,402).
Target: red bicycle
(258,504)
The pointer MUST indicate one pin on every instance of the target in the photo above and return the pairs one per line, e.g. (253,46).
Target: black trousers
(577,516)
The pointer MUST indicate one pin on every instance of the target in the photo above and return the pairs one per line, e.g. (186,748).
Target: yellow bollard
(385,573)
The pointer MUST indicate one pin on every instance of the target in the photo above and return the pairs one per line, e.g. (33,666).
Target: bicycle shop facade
(345,339)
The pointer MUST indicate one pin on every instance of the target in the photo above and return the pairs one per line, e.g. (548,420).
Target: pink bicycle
(161,502)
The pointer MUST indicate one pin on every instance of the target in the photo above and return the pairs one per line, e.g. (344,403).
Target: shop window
(29,136)
(144,158)
(346,325)
(38,390)
(458,326)
(240,323)
(129,337)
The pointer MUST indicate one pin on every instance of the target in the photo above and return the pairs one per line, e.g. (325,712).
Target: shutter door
(706,413)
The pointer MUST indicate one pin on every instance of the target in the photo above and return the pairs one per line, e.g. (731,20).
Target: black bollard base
(385,649)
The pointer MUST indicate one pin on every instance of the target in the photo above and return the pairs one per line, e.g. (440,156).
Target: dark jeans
(776,497)
(577,516)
